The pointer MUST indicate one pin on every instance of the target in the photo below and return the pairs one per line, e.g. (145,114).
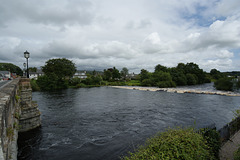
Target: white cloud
(136,34)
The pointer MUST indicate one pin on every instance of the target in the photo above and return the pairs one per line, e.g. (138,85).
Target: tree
(159,67)
(61,67)
(10,67)
(57,71)
(124,72)
(225,84)
(178,76)
(115,73)
(191,79)
(216,74)
(32,69)
(162,79)
(144,75)
(107,75)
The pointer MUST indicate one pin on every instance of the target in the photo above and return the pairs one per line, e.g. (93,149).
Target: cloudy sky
(137,34)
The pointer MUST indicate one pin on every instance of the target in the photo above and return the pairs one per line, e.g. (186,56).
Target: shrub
(225,84)
(236,155)
(34,85)
(174,144)
(213,140)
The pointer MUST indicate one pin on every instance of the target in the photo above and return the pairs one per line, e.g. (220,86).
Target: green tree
(159,67)
(115,74)
(178,76)
(107,75)
(162,79)
(32,69)
(61,67)
(191,79)
(216,74)
(10,67)
(57,73)
(225,84)
(144,75)
(124,72)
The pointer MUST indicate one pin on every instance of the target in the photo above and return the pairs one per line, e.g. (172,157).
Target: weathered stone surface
(30,114)
(17,111)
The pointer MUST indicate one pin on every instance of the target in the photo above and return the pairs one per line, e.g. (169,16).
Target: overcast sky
(137,34)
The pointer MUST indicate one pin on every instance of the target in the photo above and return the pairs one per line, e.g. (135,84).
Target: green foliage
(51,82)
(178,76)
(236,113)
(133,83)
(183,74)
(17,98)
(61,67)
(146,82)
(174,144)
(191,79)
(216,74)
(74,81)
(57,71)
(34,85)
(238,84)
(107,75)
(213,140)
(159,67)
(32,69)
(115,73)
(11,67)
(236,155)
(10,133)
(225,84)
(144,75)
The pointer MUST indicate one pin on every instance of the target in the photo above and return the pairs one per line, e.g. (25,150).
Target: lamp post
(27,55)
(24,69)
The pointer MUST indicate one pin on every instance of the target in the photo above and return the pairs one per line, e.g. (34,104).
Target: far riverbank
(181,90)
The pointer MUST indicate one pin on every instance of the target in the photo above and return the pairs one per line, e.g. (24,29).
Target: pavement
(3,83)
(228,149)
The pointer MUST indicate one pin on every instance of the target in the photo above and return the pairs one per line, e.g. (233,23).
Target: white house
(80,74)
(35,75)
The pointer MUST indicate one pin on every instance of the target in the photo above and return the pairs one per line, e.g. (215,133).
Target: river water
(105,123)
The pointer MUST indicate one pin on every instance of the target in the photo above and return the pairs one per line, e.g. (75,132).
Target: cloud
(135,34)
(47,12)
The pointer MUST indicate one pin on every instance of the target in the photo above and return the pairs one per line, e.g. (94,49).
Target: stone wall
(17,114)
(30,114)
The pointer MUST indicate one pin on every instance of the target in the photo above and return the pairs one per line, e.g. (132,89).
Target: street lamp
(27,55)
(24,69)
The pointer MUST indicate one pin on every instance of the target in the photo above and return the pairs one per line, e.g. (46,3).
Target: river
(105,123)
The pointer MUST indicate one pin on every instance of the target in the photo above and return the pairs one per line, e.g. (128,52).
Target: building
(5,75)
(80,74)
(35,75)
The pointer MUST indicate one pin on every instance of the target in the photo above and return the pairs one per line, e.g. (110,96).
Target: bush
(174,144)
(165,84)
(213,140)
(225,84)
(34,85)
(237,154)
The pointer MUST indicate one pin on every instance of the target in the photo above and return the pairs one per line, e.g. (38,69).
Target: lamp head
(26,54)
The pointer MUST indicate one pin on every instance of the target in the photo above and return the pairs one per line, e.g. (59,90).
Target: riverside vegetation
(180,143)
(59,73)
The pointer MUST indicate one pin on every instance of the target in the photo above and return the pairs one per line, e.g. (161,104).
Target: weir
(17,114)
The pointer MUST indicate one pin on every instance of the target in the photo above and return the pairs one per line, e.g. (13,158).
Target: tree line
(58,74)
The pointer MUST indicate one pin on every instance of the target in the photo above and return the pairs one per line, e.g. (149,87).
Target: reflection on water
(105,123)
